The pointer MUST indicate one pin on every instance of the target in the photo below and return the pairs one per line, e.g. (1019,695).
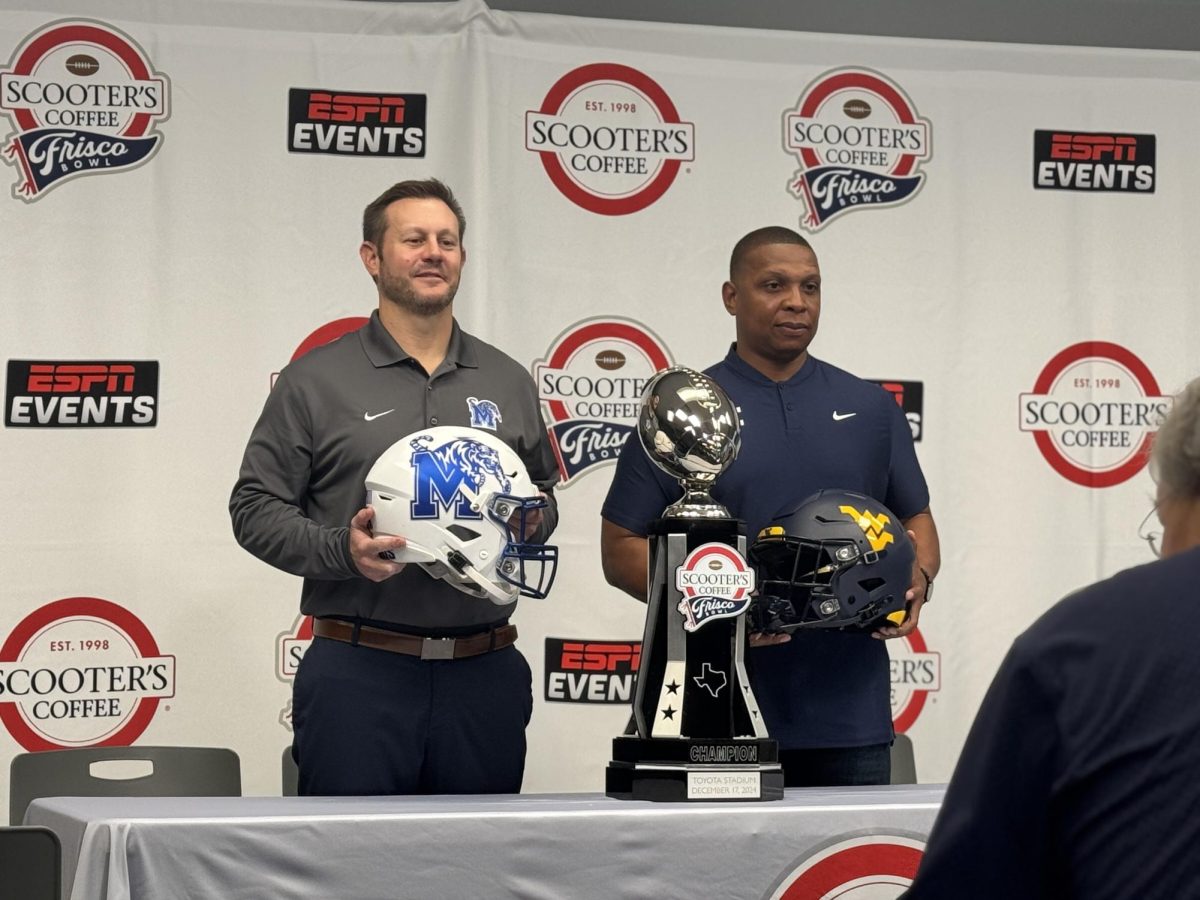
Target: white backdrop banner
(1003,235)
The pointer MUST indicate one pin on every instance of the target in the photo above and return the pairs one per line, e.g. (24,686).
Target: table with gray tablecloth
(552,846)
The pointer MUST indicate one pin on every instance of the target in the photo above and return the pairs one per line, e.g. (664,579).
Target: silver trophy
(695,722)
(690,429)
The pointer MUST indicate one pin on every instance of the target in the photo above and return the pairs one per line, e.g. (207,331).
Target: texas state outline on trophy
(696,732)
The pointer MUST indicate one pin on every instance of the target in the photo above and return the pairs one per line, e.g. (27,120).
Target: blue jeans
(837,766)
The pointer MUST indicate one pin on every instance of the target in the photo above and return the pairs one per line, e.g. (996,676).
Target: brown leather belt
(414,644)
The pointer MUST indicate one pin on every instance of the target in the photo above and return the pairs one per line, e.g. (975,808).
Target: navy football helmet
(838,560)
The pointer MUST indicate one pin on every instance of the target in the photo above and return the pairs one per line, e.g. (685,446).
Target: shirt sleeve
(907,492)
(267,503)
(639,491)
(991,837)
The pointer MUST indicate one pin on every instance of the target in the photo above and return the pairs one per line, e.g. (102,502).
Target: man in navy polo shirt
(825,694)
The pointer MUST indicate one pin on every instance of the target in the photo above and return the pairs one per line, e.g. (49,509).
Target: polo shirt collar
(742,368)
(382,350)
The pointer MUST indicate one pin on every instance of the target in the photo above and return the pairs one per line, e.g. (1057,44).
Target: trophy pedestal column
(696,732)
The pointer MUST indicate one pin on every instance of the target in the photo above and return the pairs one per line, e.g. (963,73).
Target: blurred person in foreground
(1081,774)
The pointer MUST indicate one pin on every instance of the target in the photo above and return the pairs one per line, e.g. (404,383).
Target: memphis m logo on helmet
(441,473)
(462,499)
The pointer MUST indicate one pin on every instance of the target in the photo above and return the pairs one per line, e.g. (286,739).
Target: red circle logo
(609,138)
(870,867)
(1093,413)
(915,673)
(81,672)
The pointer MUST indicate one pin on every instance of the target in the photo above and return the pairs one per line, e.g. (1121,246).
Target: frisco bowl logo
(84,99)
(81,672)
(859,142)
(610,138)
(915,673)
(716,584)
(866,867)
(1093,412)
(590,384)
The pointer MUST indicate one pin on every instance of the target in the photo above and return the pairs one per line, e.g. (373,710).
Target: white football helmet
(460,498)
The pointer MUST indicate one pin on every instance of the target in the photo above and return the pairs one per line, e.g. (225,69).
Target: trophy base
(694,769)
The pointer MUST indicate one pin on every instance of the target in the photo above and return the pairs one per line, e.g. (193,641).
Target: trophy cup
(696,732)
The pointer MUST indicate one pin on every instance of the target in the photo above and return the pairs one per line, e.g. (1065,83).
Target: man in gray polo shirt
(370,714)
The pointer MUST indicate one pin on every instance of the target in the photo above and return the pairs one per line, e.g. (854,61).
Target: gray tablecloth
(552,846)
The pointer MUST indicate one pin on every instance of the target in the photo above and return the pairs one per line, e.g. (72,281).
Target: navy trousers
(369,722)
(837,766)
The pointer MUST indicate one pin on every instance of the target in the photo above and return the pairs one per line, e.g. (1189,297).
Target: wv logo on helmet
(875,527)
(442,471)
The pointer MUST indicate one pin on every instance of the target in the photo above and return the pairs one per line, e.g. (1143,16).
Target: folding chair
(290,773)
(105,772)
(30,863)
(904,765)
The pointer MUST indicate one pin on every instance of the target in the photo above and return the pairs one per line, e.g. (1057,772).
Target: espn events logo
(81,672)
(610,138)
(916,672)
(348,123)
(93,394)
(858,867)
(84,99)
(860,144)
(1093,413)
(910,397)
(591,671)
(1093,161)
(590,384)
(715,582)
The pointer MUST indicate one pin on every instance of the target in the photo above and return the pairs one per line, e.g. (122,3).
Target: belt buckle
(437,648)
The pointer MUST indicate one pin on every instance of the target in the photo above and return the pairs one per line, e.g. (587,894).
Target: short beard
(402,294)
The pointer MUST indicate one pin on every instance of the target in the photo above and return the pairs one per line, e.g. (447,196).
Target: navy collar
(743,369)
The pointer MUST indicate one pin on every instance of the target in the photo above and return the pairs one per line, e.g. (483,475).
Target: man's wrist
(928,583)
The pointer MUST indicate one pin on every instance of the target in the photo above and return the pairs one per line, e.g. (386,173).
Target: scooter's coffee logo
(590,384)
(715,583)
(915,674)
(609,138)
(860,144)
(84,98)
(1093,412)
(81,672)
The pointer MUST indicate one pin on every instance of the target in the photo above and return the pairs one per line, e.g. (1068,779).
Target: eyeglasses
(1153,538)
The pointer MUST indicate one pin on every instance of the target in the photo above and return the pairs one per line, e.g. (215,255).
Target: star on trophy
(696,732)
